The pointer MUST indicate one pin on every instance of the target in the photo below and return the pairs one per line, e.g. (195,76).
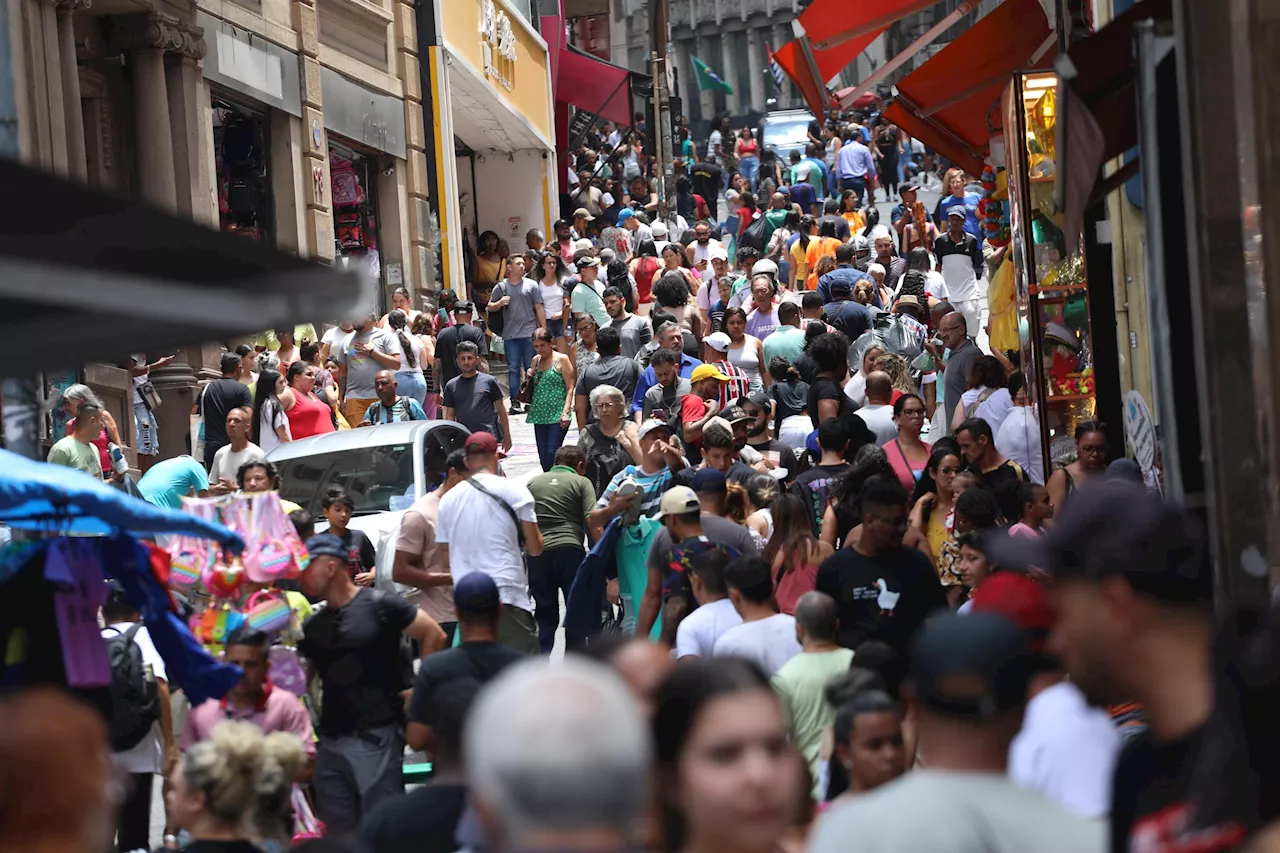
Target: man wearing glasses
(953,335)
(885,589)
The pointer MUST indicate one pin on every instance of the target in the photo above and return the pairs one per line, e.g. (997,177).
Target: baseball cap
(464,308)
(971,665)
(802,172)
(583,244)
(1019,599)
(588,261)
(651,424)
(476,593)
(677,501)
(327,545)
(956,211)
(705,371)
(659,230)
(908,188)
(718,341)
(1118,528)
(582,211)
(734,414)
(625,214)
(718,253)
(479,443)
(709,481)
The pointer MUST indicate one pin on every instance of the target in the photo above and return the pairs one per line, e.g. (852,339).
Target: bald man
(878,411)
(391,408)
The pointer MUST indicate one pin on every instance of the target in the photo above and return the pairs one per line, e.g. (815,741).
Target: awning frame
(873,25)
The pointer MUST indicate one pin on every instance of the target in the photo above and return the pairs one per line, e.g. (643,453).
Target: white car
(383,468)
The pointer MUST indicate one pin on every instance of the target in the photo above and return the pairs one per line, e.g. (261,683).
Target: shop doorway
(353,189)
(241,154)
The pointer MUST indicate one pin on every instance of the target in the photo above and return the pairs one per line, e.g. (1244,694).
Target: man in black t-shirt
(756,407)
(999,476)
(814,485)
(354,647)
(885,590)
(706,182)
(216,399)
(446,365)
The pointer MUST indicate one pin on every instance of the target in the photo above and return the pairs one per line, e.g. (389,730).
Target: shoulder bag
(471,481)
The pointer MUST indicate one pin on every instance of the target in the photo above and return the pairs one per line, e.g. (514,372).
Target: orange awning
(832,23)
(791,60)
(946,103)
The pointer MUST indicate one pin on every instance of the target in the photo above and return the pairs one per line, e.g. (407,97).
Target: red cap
(1020,600)
(480,443)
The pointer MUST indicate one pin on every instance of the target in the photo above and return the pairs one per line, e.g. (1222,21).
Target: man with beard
(894,266)
(367,352)
(776,454)
(700,250)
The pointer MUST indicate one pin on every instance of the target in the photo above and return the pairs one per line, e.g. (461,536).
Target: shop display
(1050,282)
(352,188)
(240,161)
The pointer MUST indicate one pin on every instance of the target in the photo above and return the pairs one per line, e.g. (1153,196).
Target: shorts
(555,328)
(148,431)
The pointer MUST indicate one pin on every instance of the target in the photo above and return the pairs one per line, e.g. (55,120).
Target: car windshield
(786,134)
(372,476)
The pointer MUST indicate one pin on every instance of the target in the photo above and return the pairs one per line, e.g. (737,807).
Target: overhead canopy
(946,102)
(39,495)
(86,276)
(589,83)
(791,58)
(830,23)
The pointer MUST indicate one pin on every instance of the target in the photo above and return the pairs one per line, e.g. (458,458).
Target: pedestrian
(270,425)
(736,382)
(391,408)
(915,229)
(583,350)
(167,482)
(885,589)
(775,454)
(986,397)
(142,741)
(877,411)
(563,498)
(969,680)
(960,261)
(1090,463)
(1019,436)
(612,368)
(413,358)
(474,399)
(216,398)
(307,414)
(956,368)
(550,411)
(666,384)
(707,709)
(72,398)
(588,294)
(633,330)
(745,351)
(763,320)
(935,497)
(448,339)
(793,552)
(368,350)
(766,637)
(1036,510)
(959,198)
(612,442)
(801,682)
(353,646)
(418,561)
(333,340)
(143,416)
(487,524)
(77,450)
(868,740)
(650,478)
(520,300)
(855,167)
(228,459)
(906,452)
(998,475)
(814,485)
(338,507)
(698,632)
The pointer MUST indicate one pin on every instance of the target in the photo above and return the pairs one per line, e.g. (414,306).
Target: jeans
(133,815)
(411,384)
(550,574)
(858,185)
(519,353)
(549,437)
(749,168)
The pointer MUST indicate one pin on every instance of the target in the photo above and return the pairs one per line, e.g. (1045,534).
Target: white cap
(764,266)
(583,244)
(659,229)
(652,424)
(718,341)
(802,171)
(677,501)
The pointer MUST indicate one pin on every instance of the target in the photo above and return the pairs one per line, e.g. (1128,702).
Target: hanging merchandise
(240,161)
(267,611)
(348,203)
(273,551)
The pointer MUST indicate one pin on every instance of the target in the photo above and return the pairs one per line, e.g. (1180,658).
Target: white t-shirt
(935,285)
(552,300)
(703,253)
(712,141)
(967,812)
(227,462)
(856,389)
(768,643)
(880,420)
(146,756)
(993,410)
(1019,439)
(1066,751)
(415,344)
(699,630)
(795,431)
(272,416)
(481,537)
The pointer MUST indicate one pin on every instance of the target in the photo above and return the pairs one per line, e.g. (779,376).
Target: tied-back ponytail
(397,320)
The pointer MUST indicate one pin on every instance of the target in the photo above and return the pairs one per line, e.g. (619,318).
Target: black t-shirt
(476,662)
(807,367)
(447,348)
(814,487)
(424,820)
(706,182)
(786,456)
(824,388)
(215,400)
(355,650)
(884,598)
(473,400)
(221,847)
(361,556)
(1002,481)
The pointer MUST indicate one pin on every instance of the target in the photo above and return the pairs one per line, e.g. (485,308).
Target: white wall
(507,188)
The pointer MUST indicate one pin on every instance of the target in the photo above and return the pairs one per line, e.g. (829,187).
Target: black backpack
(135,701)
(756,236)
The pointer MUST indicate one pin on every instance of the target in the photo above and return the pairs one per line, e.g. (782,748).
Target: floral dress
(549,393)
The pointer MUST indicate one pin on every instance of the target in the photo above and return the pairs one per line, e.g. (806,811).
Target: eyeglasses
(948,470)
(912,413)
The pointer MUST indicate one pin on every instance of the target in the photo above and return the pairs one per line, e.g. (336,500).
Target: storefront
(493,143)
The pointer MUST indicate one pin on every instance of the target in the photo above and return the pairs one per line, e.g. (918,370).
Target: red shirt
(308,417)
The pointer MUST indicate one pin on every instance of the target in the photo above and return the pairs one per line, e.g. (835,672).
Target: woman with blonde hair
(79,394)
(233,791)
(898,370)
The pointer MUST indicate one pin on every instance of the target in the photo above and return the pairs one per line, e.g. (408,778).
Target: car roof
(786,115)
(355,439)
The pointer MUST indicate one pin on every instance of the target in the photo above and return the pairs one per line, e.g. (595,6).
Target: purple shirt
(762,325)
(282,712)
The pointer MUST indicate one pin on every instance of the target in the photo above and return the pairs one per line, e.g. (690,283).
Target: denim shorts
(555,327)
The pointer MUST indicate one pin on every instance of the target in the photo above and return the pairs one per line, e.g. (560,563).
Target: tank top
(798,579)
(646,269)
(308,417)
(746,359)
(748,149)
(907,474)
(548,397)
(552,299)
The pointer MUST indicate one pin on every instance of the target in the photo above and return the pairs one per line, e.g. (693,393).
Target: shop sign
(513,224)
(498,44)
(1140,431)
(251,65)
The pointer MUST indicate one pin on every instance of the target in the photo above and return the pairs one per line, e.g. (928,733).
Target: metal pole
(661,19)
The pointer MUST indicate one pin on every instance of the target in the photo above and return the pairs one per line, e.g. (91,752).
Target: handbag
(306,825)
(268,554)
(267,611)
(149,396)
(527,387)
(496,318)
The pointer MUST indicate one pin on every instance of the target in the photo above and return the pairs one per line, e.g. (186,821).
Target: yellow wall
(529,96)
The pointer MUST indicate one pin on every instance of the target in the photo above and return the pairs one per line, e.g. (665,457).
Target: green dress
(549,393)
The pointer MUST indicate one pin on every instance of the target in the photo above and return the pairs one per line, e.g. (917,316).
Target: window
(370,475)
(441,441)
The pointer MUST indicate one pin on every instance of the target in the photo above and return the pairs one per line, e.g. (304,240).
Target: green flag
(708,80)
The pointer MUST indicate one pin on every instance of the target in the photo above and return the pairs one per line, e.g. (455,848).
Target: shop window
(353,177)
(240,159)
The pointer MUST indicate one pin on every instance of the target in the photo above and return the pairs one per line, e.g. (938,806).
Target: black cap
(327,545)
(1119,528)
(709,481)
(974,665)
(477,594)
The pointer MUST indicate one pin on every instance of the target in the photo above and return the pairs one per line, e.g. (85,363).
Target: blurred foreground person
(969,679)
(869,742)
(729,778)
(557,759)
(58,793)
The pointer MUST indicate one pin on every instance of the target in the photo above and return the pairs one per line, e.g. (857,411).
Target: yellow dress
(1004,309)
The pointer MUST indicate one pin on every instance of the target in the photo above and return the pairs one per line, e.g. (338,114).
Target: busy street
(530,426)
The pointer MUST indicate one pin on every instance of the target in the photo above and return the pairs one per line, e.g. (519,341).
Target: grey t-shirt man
(521,319)
(664,397)
(957,378)
(361,367)
(634,331)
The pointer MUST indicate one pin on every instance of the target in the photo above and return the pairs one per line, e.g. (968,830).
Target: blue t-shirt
(970,202)
(166,482)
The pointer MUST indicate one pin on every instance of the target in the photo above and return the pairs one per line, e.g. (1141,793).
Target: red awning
(593,85)
(829,23)
(792,61)
(947,102)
